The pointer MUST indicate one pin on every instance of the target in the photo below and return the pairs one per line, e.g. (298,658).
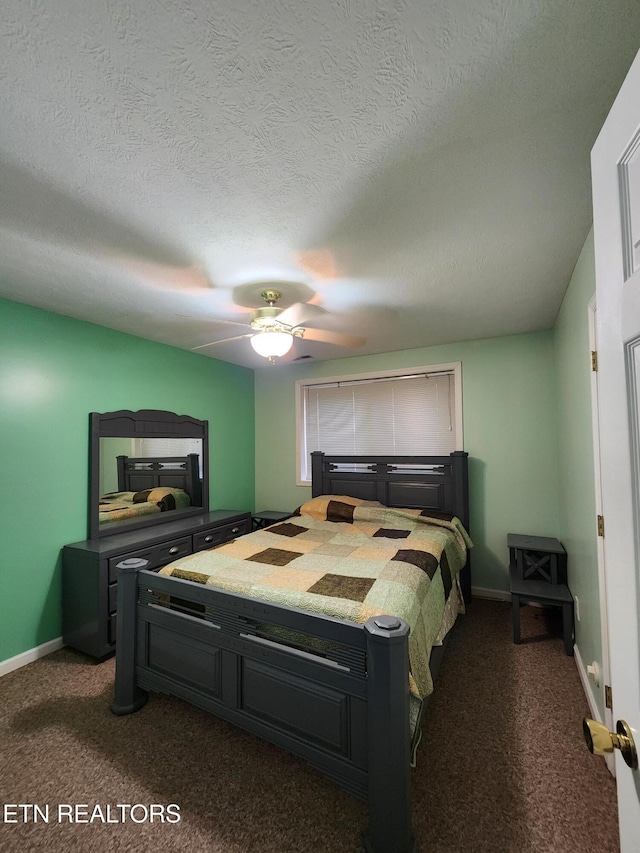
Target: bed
(339,693)
(150,485)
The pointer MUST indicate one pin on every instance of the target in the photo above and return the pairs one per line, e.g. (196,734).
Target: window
(410,412)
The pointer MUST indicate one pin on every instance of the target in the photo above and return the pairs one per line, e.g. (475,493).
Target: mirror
(146,468)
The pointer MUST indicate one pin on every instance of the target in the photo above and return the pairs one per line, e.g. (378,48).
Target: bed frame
(344,709)
(135,474)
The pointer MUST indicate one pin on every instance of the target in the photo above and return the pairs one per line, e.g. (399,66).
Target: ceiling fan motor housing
(265,318)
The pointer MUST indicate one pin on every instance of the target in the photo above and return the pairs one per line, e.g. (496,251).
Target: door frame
(602,568)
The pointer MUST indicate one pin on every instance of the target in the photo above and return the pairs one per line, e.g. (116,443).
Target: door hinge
(600,525)
(594,360)
(607,697)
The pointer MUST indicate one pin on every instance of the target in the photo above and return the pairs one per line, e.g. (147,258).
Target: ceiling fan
(273,328)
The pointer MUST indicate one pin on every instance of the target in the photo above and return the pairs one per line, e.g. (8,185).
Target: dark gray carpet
(502,765)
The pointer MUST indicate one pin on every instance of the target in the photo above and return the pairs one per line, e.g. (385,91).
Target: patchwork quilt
(350,559)
(120,506)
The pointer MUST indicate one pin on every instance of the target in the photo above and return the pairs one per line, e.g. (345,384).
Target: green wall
(575,454)
(53,372)
(509,432)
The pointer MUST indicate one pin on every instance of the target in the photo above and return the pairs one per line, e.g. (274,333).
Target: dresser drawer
(156,555)
(218,535)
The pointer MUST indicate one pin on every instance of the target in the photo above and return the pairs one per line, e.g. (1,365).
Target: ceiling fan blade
(300,313)
(337,338)
(191,279)
(223,341)
(212,320)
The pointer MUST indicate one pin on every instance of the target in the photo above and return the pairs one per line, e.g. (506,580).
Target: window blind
(403,415)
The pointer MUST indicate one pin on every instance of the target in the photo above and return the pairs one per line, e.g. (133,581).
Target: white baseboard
(7,666)
(591,702)
(493,594)
(586,686)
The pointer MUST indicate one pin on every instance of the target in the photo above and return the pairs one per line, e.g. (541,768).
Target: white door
(615,162)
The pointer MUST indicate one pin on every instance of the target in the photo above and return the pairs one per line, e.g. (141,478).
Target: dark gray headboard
(426,482)
(438,483)
(176,472)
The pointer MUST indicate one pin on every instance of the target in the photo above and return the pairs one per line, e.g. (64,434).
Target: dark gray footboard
(333,692)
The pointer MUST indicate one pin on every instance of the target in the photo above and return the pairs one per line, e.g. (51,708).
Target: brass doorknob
(600,740)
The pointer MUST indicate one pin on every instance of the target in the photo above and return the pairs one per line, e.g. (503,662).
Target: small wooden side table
(266,517)
(537,557)
(538,573)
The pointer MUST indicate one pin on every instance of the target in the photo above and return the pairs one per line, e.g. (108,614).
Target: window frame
(454,367)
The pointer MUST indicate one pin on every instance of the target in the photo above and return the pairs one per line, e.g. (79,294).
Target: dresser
(89,581)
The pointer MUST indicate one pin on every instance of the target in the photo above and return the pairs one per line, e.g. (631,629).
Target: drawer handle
(235,530)
(174,550)
(208,538)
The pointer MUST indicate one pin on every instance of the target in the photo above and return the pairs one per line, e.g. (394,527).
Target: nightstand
(265,518)
(538,573)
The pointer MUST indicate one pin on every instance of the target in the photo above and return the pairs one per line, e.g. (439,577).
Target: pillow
(163,496)
(333,507)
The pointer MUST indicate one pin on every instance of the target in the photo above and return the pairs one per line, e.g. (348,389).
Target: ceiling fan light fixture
(272,343)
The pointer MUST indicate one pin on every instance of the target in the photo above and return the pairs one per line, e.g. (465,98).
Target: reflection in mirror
(144,476)
(147,467)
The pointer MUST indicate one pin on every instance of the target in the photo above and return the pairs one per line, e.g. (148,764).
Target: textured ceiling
(420,168)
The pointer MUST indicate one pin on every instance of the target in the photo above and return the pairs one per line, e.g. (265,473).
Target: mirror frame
(145,423)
